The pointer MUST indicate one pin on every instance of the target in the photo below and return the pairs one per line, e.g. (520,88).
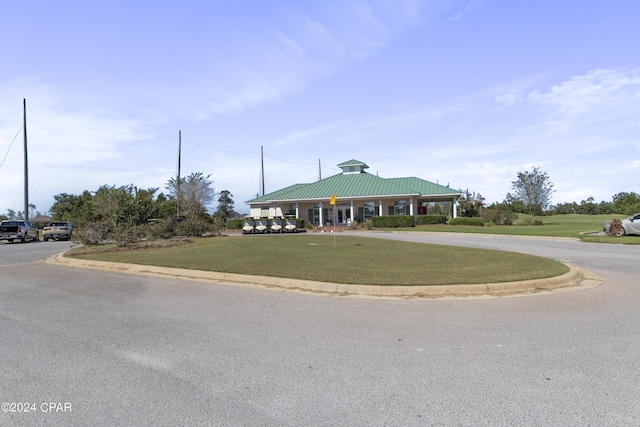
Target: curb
(575,279)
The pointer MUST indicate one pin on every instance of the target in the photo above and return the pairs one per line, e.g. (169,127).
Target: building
(359,196)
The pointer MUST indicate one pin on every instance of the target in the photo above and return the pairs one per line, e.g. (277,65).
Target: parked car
(18,229)
(57,231)
(262,226)
(248,227)
(276,226)
(630,225)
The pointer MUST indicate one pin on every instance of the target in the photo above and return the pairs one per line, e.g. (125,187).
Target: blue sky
(459,92)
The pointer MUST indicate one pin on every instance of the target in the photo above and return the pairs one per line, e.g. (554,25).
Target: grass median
(353,260)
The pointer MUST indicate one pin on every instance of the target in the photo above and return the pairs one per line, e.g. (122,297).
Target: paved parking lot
(119,349)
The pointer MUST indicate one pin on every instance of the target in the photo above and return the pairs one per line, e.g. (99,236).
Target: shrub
(392,221)
(195,227)
(235,224)
(478,222)
(616,227)
(498,216)
(164,229)
(125,235)
(431,219)
(97,233)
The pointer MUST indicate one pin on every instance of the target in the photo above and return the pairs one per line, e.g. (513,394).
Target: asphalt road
(85,347)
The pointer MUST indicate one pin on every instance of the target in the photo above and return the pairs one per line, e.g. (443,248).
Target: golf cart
(290,226)
(262,226)
(248,227)
(276,225)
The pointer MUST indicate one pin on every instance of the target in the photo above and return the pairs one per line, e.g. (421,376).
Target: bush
(537,222)
(478,222)
(125,235)
(164,229)
(97,233)
(195,228)
(431,219)
(235,224)
(616,227)
(498,216)
(392,221)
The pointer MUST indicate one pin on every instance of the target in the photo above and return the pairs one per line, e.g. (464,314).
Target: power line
(100,130)
(164,137)
(288,161)
(190,141)
(9,149)
(244,152)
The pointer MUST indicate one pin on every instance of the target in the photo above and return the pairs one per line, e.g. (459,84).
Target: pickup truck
(17,230)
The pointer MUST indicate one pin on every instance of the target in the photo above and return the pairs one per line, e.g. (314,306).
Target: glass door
(344,215)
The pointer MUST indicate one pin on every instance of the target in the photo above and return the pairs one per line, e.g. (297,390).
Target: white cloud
(472,142)
(463,10)
(592,100)
(511,98)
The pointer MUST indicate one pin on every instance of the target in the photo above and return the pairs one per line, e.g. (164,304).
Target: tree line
(531,195)
(128,213)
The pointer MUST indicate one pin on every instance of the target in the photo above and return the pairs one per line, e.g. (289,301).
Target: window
(264,211)
(400,207)
(369,210)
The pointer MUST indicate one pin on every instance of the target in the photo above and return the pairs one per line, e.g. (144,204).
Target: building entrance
(344,215)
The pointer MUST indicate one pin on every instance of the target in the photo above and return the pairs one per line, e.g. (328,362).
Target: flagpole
(332,201)
(334,226)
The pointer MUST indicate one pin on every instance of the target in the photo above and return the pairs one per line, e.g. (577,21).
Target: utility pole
(262,167)
(26,164)
(178,181)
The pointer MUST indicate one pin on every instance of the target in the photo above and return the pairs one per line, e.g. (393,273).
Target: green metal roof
(359,185)
(353,162)
(424,187)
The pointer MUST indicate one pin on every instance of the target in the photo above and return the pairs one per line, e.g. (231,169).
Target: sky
(465,93)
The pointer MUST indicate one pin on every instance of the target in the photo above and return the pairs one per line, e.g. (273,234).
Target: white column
(455,209)
(297,212)
(352,216)
(412,211)
(380,207)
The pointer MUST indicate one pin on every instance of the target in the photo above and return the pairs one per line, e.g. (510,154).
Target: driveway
(107,348)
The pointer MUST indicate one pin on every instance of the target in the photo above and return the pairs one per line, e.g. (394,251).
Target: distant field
(353,260)
(577,226)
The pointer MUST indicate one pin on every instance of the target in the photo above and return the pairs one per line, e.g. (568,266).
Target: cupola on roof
(353,166)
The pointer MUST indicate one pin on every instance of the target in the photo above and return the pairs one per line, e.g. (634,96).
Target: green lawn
(577,226)
(353,260)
